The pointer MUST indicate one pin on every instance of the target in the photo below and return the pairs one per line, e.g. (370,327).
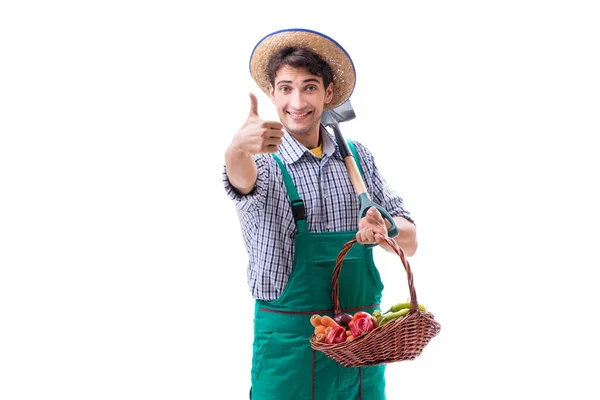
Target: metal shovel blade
(343,112)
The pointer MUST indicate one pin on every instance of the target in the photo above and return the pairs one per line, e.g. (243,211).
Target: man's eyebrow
(304,81)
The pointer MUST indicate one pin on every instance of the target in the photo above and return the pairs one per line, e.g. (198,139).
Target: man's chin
(298,130)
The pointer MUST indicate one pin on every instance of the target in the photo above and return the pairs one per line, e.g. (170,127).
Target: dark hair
(297,57)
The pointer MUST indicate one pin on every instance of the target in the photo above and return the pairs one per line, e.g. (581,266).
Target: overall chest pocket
(359,283)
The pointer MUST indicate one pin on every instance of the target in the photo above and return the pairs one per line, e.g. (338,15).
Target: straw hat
(344,75)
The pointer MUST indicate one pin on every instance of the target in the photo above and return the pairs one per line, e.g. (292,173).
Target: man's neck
(310,141)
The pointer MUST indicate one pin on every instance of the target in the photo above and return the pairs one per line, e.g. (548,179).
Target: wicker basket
(400,340)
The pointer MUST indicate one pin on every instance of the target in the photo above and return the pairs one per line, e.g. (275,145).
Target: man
(297,208)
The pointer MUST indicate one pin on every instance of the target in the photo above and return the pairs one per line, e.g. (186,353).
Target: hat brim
(344,74)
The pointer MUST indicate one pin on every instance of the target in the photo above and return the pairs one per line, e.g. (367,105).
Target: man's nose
(297,101)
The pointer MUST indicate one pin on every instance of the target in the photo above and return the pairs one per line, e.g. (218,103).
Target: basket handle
(414,305)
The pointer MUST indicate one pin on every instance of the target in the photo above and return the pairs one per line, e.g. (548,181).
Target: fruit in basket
(362,325)
(336,335)
(342,319)
(360,314)
(342,326)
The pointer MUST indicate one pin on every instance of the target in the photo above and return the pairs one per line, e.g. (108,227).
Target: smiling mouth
(299,116)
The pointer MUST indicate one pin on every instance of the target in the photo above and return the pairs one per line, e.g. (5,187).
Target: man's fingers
(273,141)
(374,213)
(374,217)
(253,106)
(371,236)
(359,237)
(275,128)
(365,236)
(274,136)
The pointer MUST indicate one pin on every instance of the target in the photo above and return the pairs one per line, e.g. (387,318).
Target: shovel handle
(354,174)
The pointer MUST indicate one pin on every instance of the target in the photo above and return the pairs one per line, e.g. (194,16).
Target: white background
(122,265)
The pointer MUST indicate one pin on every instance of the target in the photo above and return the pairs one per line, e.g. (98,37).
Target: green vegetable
(378,316)
(401,306)
(392,316)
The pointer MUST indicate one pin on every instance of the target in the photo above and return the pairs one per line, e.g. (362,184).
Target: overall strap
(298,209)
(356,158)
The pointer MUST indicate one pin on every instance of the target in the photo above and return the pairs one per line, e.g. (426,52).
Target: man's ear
(329,93)
(272,94)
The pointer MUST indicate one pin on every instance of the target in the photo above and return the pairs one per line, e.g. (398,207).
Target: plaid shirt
(265,214)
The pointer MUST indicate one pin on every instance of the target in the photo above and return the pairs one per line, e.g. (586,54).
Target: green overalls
(284,366)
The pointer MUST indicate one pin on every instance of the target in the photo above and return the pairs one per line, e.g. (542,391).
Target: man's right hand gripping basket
(399,334)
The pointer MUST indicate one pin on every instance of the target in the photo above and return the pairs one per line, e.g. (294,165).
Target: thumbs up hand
(257,135)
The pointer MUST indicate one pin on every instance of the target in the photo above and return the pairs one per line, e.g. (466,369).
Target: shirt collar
(292,151)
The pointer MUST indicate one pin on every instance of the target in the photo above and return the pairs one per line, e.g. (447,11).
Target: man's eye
(311,88)
(283,88)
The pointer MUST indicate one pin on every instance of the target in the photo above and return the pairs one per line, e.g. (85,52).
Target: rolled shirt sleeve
(246,203)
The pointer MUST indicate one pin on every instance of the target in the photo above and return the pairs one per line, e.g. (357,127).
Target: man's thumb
(253,106)
(374,212)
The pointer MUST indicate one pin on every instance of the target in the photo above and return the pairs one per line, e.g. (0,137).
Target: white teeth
(298,115)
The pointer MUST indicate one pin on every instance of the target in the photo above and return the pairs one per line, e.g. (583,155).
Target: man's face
(300,98)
